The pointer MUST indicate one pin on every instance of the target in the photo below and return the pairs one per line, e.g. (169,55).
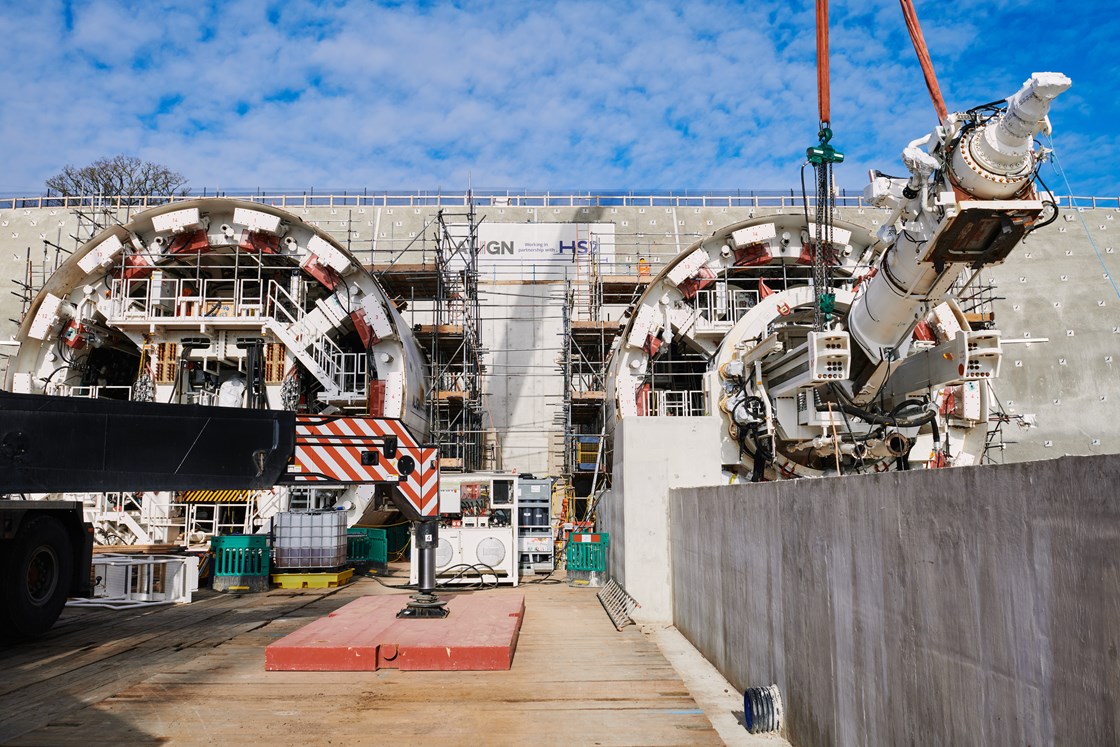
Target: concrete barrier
(963,606)
(651,456)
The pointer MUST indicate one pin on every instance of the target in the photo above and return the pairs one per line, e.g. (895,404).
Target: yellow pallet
(312,580)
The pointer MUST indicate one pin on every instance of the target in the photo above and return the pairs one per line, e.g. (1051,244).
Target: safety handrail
(281,305)
(679,403)
(724,305)
(496,198)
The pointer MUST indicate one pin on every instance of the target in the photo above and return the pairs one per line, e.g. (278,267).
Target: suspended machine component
(893,367)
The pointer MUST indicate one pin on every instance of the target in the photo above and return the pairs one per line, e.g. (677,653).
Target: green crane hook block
(823,152)
(828,304)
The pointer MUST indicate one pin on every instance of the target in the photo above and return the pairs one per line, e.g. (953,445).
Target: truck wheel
(35,574)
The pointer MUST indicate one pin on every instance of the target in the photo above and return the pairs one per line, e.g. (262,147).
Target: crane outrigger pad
(480,634)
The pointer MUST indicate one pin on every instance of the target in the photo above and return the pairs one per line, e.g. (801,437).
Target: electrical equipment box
(535,537)
(478,529)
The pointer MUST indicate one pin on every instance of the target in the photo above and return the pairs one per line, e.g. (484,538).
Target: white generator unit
(477,530)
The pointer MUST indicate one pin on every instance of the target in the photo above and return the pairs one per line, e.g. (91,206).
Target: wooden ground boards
(194,674)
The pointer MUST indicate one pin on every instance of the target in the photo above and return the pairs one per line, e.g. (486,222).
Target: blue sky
(573,94)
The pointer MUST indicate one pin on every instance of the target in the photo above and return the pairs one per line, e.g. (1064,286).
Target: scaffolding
(37,269)
(583,367)
(585,290)
(587,338)
(453,341)
(976,296)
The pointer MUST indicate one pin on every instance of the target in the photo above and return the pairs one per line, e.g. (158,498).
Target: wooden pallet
(312,580)
(137,549)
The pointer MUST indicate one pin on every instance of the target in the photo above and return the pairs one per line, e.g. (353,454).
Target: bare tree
(118,176)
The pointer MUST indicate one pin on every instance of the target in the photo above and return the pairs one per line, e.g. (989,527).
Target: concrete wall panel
(653,455)
(965,606)
(1058,308)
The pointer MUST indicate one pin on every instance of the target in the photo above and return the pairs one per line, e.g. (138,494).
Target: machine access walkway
(194,674)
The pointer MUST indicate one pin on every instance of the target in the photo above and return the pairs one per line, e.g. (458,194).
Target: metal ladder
(618,604)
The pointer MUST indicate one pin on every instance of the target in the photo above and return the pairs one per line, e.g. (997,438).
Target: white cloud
(546,95)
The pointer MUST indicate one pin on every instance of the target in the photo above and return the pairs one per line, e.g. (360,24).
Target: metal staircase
(338,372)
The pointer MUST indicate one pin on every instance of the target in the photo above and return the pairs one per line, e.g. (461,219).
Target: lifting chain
(822,156)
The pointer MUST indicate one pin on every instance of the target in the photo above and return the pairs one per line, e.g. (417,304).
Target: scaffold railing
(670,403)
(493,198)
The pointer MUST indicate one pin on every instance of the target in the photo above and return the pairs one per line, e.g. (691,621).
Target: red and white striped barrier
(363,450)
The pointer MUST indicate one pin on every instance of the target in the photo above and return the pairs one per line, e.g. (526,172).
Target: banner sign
(543,251)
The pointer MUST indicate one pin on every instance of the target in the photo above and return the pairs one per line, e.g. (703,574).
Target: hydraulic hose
(894,419)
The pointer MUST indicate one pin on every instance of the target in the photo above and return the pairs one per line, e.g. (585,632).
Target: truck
(55,445)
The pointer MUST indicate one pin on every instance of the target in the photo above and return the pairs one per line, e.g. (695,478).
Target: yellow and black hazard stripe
(215,496)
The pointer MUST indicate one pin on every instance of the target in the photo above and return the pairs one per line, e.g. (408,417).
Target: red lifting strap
(919,41)
(822,61)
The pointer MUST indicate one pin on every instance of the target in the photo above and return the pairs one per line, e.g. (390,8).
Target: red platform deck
(479,634)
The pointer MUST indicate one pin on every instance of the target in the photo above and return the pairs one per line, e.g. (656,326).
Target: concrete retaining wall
(965,606)
(1061,338)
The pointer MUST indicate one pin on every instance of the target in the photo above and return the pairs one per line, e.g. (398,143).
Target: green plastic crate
(241,562)
(399,537)
(590,555)
(367,546)
(240,555)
